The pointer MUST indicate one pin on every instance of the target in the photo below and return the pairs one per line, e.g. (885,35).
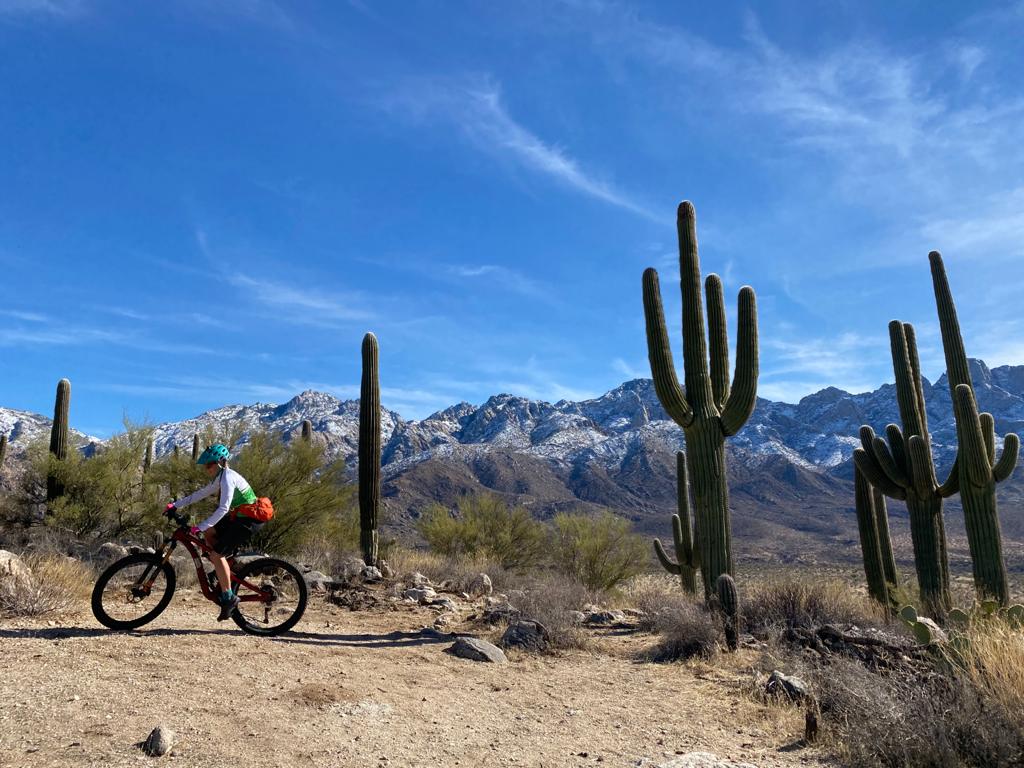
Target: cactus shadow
(397,639)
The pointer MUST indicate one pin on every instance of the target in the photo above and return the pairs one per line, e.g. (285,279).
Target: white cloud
(476,108)
(60,9)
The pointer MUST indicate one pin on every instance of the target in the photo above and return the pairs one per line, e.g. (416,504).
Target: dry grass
(688,630)
(55,585)
(455,572)
(782,602)
(992,660)
(551,599)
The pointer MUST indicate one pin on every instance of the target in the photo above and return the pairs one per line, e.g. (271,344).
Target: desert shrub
(55,584)
(793,601)
(599,552)
(311,500)
(486,526)
(914,719)
(552,599)
(654,595)
(688,630)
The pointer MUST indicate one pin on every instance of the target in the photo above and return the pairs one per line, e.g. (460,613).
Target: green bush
(599,552)
(486,526)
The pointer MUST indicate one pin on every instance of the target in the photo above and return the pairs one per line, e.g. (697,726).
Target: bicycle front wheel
(133,591)
(271,596)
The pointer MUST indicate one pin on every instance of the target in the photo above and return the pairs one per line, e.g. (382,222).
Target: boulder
(159,742)
(109,552)
(318,581)
(371,574)
(444,604)
(500,612)
(13,567)
(386,570)
(605,618)
(527,634)
(789,686)
(419,580)
(475,649)
(421,595)
(480,586)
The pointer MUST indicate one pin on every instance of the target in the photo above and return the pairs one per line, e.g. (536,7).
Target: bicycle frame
(195,545)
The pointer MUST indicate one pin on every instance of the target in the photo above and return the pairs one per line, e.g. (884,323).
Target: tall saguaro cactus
(978,469)
(904,469)
(195,447)
(687,555)
(709,409)
(875,544)
(59,437)
(369,450)
(307,431)
(3,450)
(147,463)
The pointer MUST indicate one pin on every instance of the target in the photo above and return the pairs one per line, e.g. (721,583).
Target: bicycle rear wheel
(274,602)
(121,598)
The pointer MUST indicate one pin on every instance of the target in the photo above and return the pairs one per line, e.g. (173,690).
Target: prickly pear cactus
(687,556)
(709,409)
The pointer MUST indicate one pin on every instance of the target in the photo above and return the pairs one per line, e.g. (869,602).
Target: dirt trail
(360,689)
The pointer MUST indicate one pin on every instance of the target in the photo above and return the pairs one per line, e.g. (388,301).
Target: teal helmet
(213,453)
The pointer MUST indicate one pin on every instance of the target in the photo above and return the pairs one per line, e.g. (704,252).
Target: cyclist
(229,527)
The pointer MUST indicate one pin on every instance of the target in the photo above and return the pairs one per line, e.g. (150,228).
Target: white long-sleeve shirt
(234,491)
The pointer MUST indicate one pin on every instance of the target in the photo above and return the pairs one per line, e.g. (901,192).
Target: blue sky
(205,203)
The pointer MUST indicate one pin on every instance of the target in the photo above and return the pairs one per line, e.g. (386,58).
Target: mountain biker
(229,527)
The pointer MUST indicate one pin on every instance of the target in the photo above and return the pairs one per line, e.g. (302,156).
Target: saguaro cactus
(3,450)
(729,601)
(978,470)
(147,463)
(904,469)
(687,556)
(873,526)
(195,447)
(709,409)
(307,430)
(59,436)
(369,450)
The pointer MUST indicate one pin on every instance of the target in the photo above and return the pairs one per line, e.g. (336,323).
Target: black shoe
(227,607)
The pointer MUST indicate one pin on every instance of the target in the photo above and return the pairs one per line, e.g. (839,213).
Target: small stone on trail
(318,581)
(370,573)
(159,742)
(419,580)
(605,618)
(475,649)
(421,595)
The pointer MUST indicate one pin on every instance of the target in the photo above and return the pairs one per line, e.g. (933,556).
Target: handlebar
(181,520)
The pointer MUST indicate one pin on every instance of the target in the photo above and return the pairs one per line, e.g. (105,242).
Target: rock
(318,581)
(793,688)
(159,742)
(500,612)
(577,617)
(475,649)
(421,595)
(445,621)
(13,567)
(386,570)
(419,580)
(135,549)
(933,632)
(371,574)
(444,603)
(109,552)
(702,760)
(605,618)
(480,585)
(531,635)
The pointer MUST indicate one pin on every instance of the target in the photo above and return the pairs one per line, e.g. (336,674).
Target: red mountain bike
(136,589)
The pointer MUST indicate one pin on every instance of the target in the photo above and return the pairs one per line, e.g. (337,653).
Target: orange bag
(260,511)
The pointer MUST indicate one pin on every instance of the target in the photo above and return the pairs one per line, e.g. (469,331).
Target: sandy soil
(362,688)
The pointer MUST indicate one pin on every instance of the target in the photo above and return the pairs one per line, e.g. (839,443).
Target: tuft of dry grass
(457,572)
(769,606)
(688,630)
(552,599)
(991,659)
(55,584)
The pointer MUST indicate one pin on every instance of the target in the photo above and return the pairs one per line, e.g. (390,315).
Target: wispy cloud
(28,317)
(476,108)
(303,305)
(56,9)
(508,279)
(798,367)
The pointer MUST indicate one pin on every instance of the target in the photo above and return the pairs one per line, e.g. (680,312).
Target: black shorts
(234,533)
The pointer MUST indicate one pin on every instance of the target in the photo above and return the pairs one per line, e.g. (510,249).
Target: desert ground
(366,688)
